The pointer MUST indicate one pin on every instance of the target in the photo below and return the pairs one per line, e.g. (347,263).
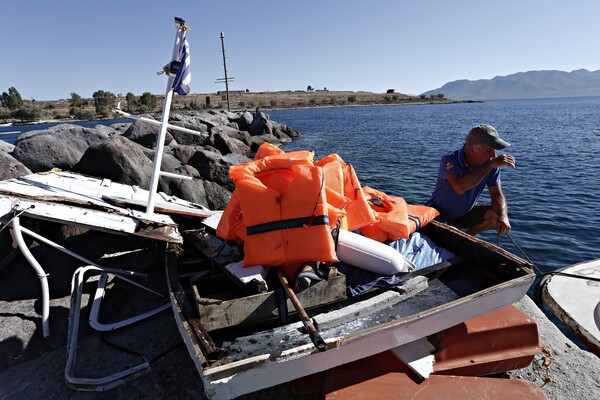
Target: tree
(80,113)
(309,88)
(4,113)
(104,102)
(27,114)
(148,100)
(76,100)
(12,100)
(131,101)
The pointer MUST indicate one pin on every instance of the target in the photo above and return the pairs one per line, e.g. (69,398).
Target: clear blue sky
(50,49)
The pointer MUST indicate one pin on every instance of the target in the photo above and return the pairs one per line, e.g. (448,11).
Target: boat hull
(576,301)
(491,280)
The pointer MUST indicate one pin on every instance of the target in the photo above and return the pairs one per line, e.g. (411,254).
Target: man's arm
(462,183)
(499,205)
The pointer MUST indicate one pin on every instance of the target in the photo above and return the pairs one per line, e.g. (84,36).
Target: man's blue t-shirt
(445,199)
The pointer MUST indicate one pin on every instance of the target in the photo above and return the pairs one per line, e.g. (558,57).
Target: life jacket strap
(287,224)
(416,220)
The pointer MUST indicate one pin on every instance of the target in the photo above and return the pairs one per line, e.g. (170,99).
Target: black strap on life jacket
(416,220)
(287,224)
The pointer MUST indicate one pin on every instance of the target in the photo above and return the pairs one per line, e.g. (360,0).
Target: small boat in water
(573,295)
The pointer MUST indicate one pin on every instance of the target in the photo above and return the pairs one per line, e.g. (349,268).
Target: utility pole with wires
(226,79)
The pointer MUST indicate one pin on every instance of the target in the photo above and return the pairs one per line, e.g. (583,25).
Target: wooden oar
(310,328)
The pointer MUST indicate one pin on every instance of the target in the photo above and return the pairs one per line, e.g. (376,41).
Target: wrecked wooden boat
(244,338)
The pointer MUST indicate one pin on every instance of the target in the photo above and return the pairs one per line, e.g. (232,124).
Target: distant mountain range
(524,85)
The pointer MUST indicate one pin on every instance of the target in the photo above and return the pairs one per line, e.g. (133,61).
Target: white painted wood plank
(418,355)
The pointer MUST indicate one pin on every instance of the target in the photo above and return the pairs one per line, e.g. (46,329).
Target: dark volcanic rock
(215,167)
(226,144)
(244,120)
(258,140)
(200,138)
(124,152)
(259,125)
(184,152)
(120,127)
(11,167)
(217,196)
(234,133)
(145,133)
(58,147)
(119,159)
(193,190)
(6,147)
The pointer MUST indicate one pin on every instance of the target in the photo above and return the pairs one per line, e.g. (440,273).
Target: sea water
(553,193)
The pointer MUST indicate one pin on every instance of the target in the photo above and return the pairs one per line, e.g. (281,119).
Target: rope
(542,274)
(521,250)
(547,354)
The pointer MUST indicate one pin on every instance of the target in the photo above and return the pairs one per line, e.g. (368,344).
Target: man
(462,176)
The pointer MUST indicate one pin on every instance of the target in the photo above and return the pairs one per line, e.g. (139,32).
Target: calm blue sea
(553,194)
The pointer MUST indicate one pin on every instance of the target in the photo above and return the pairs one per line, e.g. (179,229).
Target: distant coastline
(58,110)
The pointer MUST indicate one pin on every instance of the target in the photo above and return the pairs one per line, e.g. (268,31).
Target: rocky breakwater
(124,152)
(31,366)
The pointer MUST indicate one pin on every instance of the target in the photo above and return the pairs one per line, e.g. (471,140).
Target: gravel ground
(33,368)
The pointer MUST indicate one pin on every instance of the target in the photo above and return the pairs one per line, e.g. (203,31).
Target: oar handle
(314,335)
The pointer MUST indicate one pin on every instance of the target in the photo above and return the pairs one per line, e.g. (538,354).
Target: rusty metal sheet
(357,385)
(498,341)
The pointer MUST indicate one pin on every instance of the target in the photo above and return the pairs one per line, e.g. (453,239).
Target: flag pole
(160,142)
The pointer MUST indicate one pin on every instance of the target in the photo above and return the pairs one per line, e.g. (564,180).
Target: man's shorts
(473,217)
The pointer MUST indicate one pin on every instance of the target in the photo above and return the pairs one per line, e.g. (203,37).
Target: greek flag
(181,84)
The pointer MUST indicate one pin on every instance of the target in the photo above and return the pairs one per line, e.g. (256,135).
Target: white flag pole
(160,142)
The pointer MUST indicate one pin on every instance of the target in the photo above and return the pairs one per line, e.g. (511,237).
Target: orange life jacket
(397,220)
(267,149)
(281,202)
(341,178)
(231,225)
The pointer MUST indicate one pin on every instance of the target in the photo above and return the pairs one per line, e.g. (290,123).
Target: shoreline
(58,110)
(233,110)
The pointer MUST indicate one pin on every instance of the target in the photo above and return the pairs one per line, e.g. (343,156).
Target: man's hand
(504,160)
(503,225)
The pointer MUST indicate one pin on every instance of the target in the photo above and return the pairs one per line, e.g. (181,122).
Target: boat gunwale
(563,314)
